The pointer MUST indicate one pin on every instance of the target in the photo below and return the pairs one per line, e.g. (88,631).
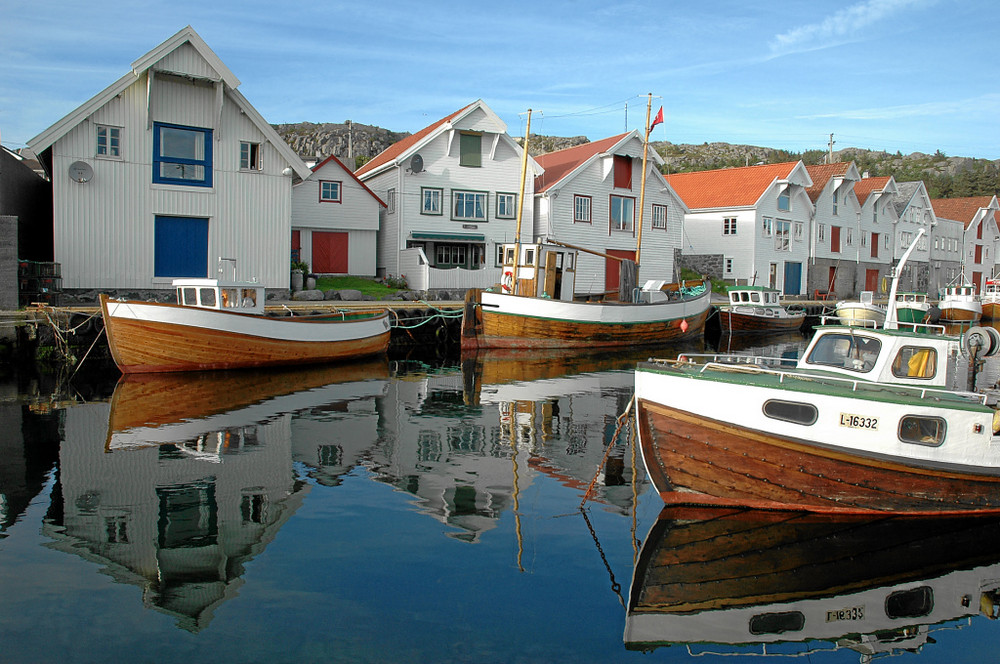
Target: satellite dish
(80,171)
(416,163)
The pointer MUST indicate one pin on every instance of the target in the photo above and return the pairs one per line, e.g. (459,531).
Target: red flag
(657,120)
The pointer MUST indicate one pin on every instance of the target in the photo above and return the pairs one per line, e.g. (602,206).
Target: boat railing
(828,319)
(854,384)
(737,358)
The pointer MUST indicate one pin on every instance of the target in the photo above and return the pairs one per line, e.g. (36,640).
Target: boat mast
(642,186)
(520,205)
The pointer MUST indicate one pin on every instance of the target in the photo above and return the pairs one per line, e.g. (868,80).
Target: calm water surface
(412,511)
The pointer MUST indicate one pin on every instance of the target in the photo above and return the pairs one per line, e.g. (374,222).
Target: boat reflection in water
(193,478)
(727,580)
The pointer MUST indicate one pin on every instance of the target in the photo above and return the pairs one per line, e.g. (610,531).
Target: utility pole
(829,158)
(350,141)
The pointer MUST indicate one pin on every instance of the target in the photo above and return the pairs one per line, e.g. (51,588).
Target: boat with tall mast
(535,305)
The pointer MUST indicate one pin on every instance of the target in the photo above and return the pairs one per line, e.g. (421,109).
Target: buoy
(684,325)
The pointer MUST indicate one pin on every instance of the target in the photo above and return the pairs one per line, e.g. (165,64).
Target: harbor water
(486,508)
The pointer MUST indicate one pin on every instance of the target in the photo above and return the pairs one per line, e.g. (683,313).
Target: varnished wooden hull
(696,460)
(991,310)
(959,315)
(151,337)
(741,323)
(708,574)
(510,321)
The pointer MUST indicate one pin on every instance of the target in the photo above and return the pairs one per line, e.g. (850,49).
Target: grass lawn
(366,286)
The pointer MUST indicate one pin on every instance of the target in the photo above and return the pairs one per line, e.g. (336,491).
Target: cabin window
(470,150)
(509,259)
(915,362)
(468,205)
(795,412)
(230,297)
(188,296)
(249,297)
(430,201)
(922,430)
(207,297)
(729,226)
(581,209)
(913,603)
(659,217)
(109,142)
(847,351)
(250,159)
(529,256)
(182,155)
(622,213)
(330,191)
(506,206)
(777,623)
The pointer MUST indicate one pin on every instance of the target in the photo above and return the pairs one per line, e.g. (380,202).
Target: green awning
(447,237)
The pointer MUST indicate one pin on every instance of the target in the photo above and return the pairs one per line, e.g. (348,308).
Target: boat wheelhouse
(756,309)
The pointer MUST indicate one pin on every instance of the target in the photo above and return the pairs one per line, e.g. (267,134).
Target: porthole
(922,430)
(913,603)
(777,623)
(795,412)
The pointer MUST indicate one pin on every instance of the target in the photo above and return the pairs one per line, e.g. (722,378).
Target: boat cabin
(543,270)
(753,296)
(245,297)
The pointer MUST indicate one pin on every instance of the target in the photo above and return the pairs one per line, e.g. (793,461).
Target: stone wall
(8,263)
(709,265)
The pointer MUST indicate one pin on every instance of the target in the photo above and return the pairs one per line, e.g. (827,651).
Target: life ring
(507,283)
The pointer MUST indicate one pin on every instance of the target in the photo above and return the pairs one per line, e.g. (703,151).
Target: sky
(894,75)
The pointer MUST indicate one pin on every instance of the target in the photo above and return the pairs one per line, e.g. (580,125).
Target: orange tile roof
(960,209)
(821,174)
(865,186)
(399,147)
(560,163)
(728,187)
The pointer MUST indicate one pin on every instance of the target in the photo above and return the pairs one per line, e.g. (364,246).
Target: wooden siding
(103,234)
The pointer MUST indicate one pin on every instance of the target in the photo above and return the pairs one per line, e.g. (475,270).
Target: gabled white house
(452,198)
(164,172)
(840,253)
(978,216)
(878,219)
(748,225)
(335,221)
(914,212)
(589,195)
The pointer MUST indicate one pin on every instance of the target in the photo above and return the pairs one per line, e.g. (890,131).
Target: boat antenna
(520,205)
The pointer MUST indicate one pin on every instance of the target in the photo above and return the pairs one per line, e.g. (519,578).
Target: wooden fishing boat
(867,421)
(960,304)
(220,324)
(862,312)
(545,315)
(991,299)
(911,307)
(757,309)
(795,582)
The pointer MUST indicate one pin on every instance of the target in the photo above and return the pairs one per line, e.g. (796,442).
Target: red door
(611,268)
(871,280)
(329,252)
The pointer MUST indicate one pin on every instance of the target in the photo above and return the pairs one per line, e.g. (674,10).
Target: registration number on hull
(858,421)
(849,614)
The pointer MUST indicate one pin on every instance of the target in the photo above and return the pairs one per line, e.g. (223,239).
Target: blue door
(793,278)
(180,247)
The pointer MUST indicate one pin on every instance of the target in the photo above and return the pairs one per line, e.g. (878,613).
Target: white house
(754,220)
(837,239)
(914,212)
(165,171)
(978,216)
(335,221)
(452,198)
(877,221)
(589,196)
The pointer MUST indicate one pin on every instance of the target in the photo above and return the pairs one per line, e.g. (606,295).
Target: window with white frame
(430,200)
(581,209)
(864,240)
(874,213)
(782,231)
(659,219)
(836,193)
(468,205)
(905,238)
(849,237)
(390,201)
(822,232)
(329,191)
(885,240)
(784,200)
(766,226)
(729,266)
(109,142)
(622,213)
(250,159)
(729,226)
(506,207)
(798,231)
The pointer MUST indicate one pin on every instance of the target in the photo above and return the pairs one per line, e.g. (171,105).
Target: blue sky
(896,75)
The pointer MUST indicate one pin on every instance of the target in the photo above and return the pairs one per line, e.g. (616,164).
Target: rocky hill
(944,176)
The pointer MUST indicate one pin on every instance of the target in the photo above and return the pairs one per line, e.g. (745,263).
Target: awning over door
(446,237)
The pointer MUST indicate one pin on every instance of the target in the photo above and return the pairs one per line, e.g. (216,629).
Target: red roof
(399,147)
(821,174)
(728,187)
(560,163)
(865,186)
(960,209)
(348,171)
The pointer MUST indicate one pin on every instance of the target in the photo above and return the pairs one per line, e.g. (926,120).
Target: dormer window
(784,200)
(835,197)
(470,148)
(623,172)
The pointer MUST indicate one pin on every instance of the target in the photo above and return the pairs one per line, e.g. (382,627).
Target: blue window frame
(182,155)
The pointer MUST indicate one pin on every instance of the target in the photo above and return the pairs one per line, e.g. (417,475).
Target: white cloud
(957,108)
(843,25)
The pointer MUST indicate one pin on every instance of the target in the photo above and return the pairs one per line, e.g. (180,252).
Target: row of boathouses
(170,168)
